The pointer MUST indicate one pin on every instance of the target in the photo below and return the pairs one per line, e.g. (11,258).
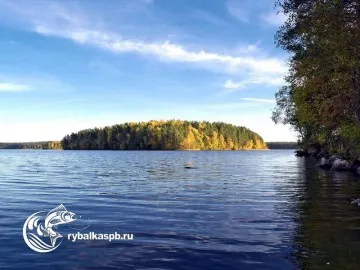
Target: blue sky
(70,65)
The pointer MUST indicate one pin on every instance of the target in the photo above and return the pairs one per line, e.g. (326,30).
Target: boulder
(356,201)
(333,158)
(325,164)
(341,165)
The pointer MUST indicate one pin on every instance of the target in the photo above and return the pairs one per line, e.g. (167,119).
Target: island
(165,135)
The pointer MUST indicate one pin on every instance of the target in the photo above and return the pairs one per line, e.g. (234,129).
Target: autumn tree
(165,135)
(321,98)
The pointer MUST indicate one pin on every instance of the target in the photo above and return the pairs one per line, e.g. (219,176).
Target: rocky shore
(330,162)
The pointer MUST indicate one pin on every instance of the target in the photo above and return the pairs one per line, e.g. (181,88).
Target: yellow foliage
(167,135)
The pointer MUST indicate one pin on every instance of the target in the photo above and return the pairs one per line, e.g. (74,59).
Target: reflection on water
(187,210)
(328,235)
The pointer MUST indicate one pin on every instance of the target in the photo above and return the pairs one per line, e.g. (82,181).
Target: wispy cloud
(32,81)
(260,100)
(237,10)
(265,80)
(166,50)
(209,18)
(75,26)
(228,106)
(248,49)
(230,84)
(274,18)
(14,87)
(59,22)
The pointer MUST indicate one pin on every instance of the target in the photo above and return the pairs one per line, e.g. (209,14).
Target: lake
(185,209)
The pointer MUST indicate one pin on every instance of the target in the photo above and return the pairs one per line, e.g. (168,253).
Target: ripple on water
(236,210)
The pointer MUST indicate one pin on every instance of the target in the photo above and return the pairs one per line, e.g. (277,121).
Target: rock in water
(189,165)
(333,158)
(356,201)
(341,165)
(325,164)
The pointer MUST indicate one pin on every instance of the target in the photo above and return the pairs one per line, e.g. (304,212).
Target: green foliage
(322,97)
(165,135)
(32,145)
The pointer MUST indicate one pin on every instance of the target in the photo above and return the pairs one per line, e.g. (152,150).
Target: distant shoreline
(150,150)
(282,145)
(160,135)
(42,145)
(56,145)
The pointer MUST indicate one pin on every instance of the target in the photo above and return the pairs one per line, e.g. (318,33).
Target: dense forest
(32,145)
(282,145)
(165,135)
(321,98)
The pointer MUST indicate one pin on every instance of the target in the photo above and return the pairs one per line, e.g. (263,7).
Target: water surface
(232,210)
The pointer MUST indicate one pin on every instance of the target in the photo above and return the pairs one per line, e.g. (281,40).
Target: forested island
(165,135)
(321,97)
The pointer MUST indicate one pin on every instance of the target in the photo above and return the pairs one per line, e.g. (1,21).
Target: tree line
(321,97)
(165,135)
(50,145)
(282,145)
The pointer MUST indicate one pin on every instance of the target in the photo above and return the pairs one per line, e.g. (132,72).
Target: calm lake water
(232,210)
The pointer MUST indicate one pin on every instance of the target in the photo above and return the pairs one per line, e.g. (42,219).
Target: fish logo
(39,230)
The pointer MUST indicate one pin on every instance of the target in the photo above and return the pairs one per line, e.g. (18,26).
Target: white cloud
(56,21)
(229,84)
(32,81)
(13,87)
(264,80)
(249,49)
(166,51)
(260,100)
(274,18)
